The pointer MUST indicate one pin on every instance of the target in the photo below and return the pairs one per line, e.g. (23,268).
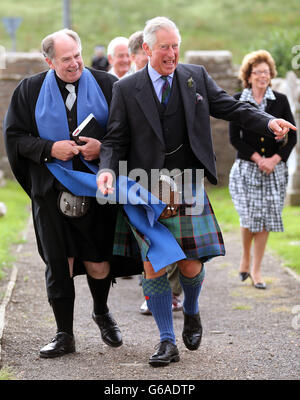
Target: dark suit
(134,128)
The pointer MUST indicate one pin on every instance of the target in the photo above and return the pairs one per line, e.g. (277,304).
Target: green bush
(280,44)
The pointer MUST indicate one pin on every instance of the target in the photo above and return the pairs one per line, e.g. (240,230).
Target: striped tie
(166,91)
(71,96)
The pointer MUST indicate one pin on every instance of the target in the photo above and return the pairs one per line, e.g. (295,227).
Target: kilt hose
(199,236)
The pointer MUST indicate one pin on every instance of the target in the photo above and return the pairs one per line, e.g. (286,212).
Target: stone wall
(219,66)
(290,86)
(17,66)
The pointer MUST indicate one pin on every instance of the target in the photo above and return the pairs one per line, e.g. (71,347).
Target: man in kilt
(160,118)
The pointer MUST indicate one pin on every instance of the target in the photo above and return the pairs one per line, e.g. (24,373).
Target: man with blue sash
(160,119)
(74,233)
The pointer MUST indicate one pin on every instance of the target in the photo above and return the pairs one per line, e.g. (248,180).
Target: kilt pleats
(199,236)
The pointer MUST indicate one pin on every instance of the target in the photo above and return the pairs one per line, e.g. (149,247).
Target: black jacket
(26,151)
(247,141)
(134,128)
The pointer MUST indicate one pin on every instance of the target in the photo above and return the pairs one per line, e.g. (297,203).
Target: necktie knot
(166,90)
(70,88)
(71,96)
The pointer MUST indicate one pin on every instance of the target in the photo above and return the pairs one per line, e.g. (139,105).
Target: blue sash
(142,211)
(51,118)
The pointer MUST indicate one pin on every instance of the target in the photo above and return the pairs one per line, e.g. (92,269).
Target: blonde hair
(252,59)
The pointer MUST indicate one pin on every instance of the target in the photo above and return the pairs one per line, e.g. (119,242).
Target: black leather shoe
(61,344)
(260,285)
(166,353)
(244,276)
(192,331)
(110,332)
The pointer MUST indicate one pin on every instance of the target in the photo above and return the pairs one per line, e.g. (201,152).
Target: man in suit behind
(160,118)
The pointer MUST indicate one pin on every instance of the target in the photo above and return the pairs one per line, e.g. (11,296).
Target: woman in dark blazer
(259,176)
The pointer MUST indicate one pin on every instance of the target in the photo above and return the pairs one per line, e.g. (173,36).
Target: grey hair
(135,42)
(114,43)
(48,42)
(154,25)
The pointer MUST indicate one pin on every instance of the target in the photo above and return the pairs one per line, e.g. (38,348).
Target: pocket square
(198,97)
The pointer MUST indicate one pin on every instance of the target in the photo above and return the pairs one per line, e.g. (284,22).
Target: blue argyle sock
(158,294)
(191,288)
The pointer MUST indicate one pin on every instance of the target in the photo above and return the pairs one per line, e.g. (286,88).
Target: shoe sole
(190,347)
(112,344)
(49,355)
(175,309)
(160,363)
(145,312)
(260,287)
(187,345)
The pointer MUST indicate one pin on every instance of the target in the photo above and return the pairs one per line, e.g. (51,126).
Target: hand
(105,182)
(64,150)
(280,127)
(91,149)
(268,164)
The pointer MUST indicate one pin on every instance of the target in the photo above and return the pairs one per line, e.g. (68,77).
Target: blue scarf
(142,211)
(51,117)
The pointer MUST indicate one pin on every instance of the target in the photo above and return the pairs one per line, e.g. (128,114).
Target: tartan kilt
(199,236)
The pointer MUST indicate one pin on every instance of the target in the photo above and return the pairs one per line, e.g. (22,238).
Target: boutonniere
(190,82)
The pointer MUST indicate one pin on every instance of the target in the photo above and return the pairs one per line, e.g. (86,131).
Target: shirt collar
(62,84)
(154,75)
(248,96)
(113,72)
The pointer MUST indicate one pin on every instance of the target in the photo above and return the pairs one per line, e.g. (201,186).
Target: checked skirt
(257,197)
(199,236)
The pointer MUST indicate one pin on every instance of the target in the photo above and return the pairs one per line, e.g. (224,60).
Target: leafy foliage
(204,25)
(280,44)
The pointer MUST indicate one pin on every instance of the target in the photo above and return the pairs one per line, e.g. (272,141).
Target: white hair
(154,25)
(114,43)
(48,41)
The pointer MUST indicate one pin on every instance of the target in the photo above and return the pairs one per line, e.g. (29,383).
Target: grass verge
(13,222)
(7,374)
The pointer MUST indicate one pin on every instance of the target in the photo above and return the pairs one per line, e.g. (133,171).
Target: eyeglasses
(260,73)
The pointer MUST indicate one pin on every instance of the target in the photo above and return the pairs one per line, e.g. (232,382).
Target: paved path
(248,333)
